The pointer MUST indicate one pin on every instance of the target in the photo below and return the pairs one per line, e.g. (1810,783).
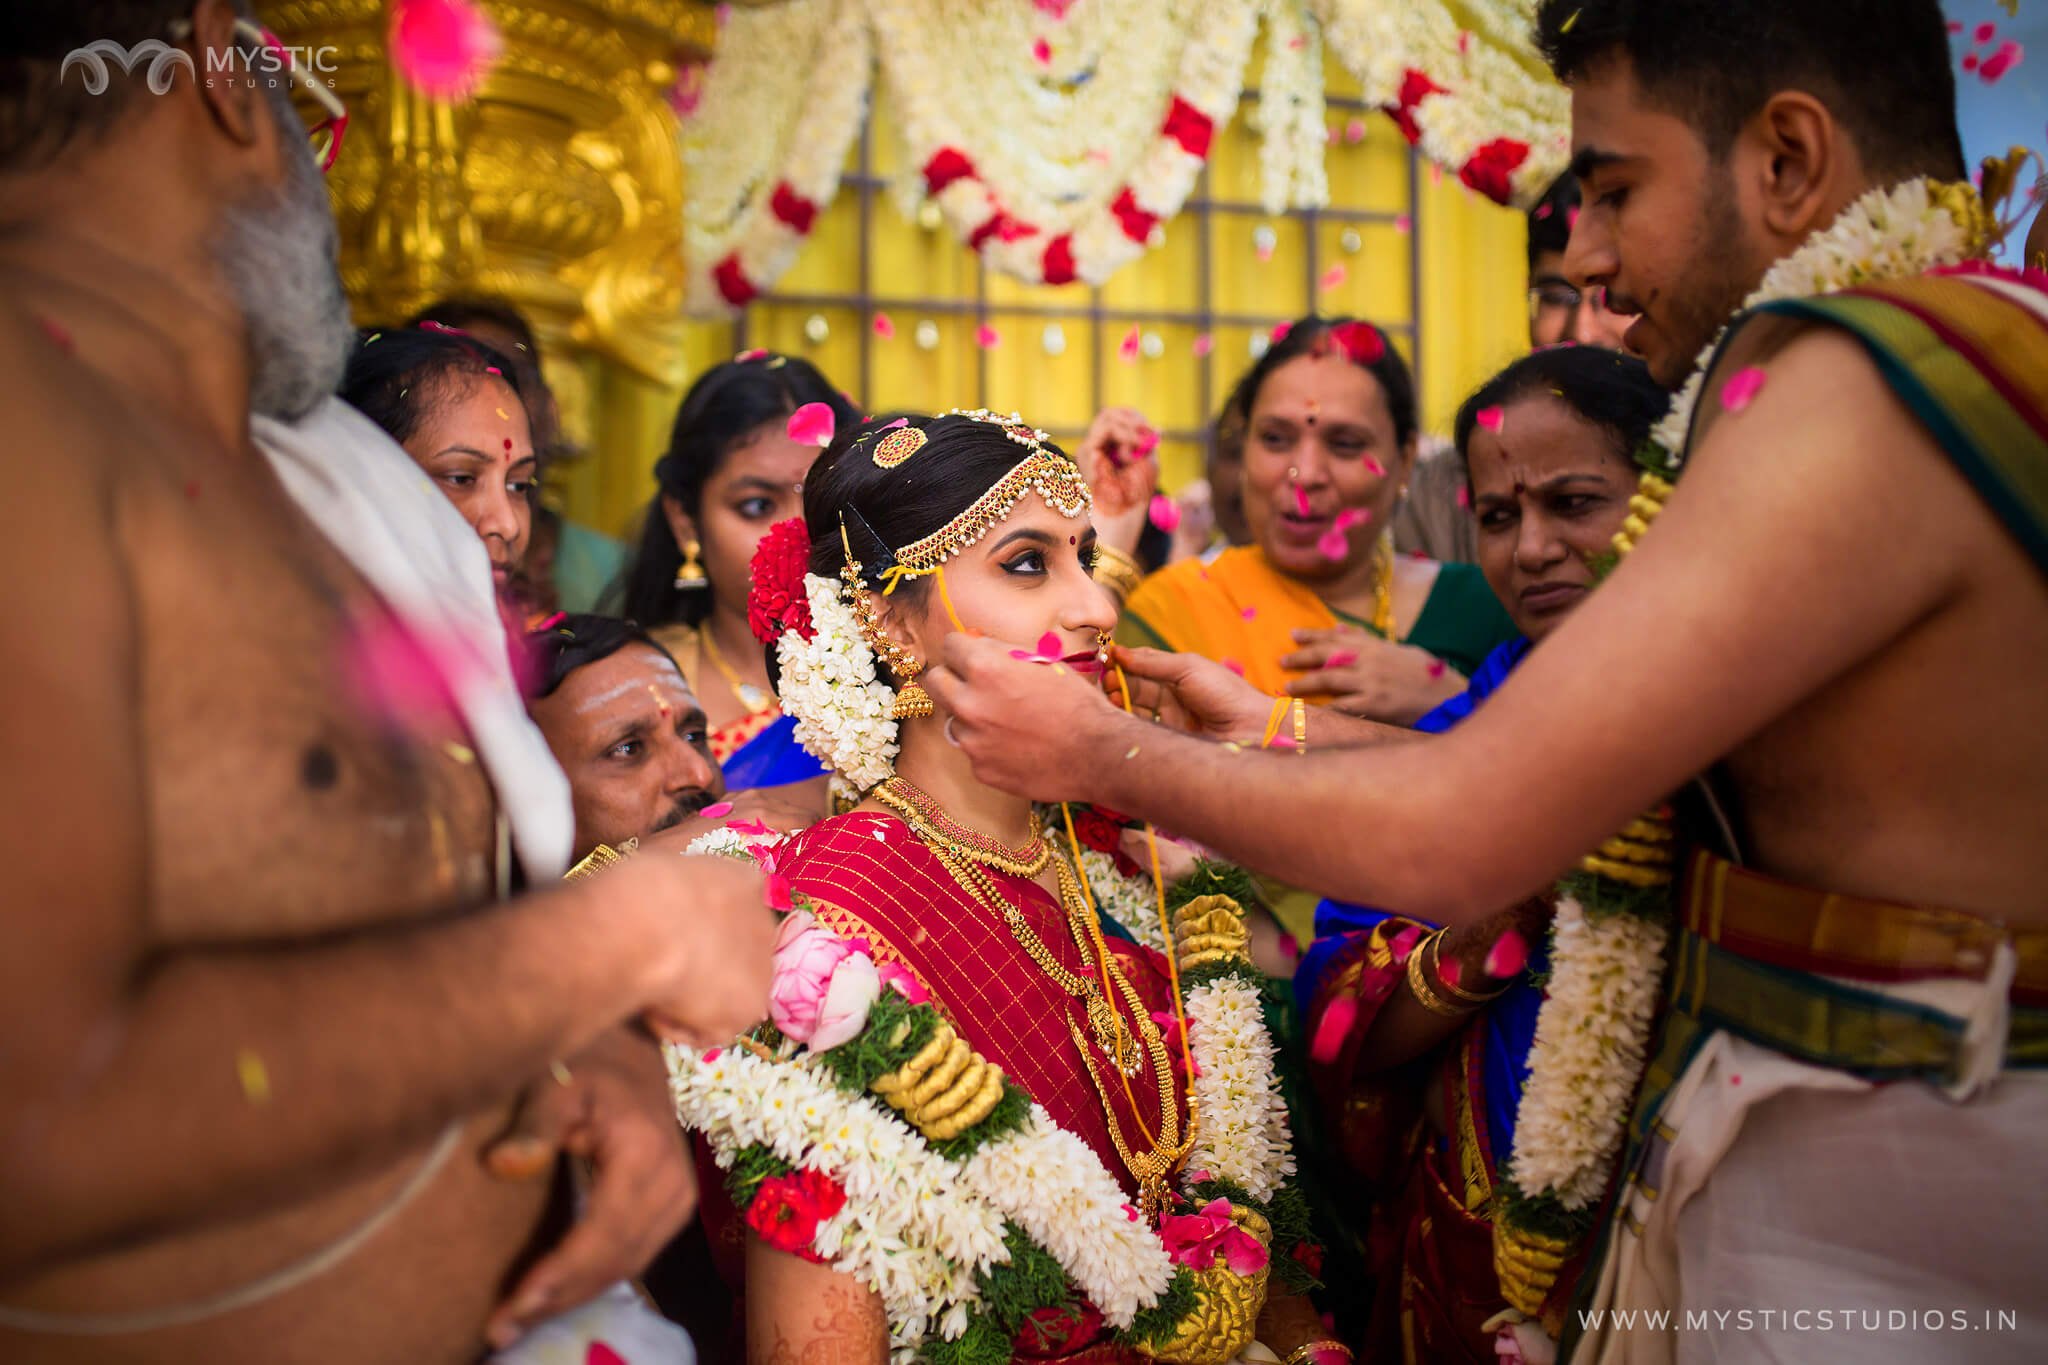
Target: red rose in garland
(788,1208)
(776,601)
(1491,168)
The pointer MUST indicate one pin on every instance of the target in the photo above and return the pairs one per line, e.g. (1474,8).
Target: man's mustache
(686,805)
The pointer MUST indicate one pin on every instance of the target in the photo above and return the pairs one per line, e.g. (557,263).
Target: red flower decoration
(947,165)
(1491,167)
(733,282)
(1309,1256)
(1136,223)
(1097,831)
(793,209)
(1415,88)
(1361,341)
(1190,127)
(776,602)
(1059,260)
(788,1208)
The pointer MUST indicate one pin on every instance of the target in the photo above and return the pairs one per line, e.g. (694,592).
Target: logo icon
(164,60)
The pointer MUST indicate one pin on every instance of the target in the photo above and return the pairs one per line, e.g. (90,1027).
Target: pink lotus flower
(899,980)
(442,48)
(1200,1240)
(811,425)
(1742,387)
(822,987)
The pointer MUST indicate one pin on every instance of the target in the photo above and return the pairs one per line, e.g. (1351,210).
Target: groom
(1842,614)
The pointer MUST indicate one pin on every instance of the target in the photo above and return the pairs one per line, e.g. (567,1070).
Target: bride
(993,1119)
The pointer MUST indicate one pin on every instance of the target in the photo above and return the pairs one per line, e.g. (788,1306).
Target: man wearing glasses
(273,1007)
(1559,311)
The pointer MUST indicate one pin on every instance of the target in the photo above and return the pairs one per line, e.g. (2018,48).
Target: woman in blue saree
(1421,1082)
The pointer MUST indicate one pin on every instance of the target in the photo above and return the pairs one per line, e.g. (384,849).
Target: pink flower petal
(1263,250)
(1165,513)
(1571,218)
(1404,224)
(986,337)
(884,326)
(1056,8)
(1508,955)
(1332,1029)
(1354,131)
(1985,32)
(1742,386)
(1250,613)
(442,48)
(1204,344)
(811,425)
(407,677)
(1041,52)
(1448,971)
(716,809)
(1343,658)
(1465,498)
(1242,1252)
(1301,503)
(1436,668)
(1280,332)
(1332,278)
(1127,349)
(1542,212)
(750,828)
(1355,516)
(1490,418)
(1998,63)
(714,1054)
(778,893)
(1129,1212)
(1051,647)
(1233,665)
(1333,546)
(1403,943)
(744,356)
(903,983)
(1955,26)
(1969,61)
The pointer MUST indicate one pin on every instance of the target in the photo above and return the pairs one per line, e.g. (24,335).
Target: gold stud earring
(690,574)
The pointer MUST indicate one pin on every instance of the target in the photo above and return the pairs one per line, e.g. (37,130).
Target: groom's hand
(1030,728)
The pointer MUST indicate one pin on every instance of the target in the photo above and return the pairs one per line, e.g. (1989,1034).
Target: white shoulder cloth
(414,549)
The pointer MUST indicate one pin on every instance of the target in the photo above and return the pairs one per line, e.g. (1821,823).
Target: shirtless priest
(1842,612)
(265,1018)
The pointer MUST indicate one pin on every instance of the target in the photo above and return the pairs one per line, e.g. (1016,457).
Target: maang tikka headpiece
(1053,477)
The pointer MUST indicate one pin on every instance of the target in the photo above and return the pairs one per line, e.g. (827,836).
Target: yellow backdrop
(1463,294)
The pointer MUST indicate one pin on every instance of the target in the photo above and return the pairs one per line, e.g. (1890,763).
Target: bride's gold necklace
(751,697)
(1112,1034)
(1028,861)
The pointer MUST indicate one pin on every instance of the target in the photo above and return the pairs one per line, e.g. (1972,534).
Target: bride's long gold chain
(1112,1034)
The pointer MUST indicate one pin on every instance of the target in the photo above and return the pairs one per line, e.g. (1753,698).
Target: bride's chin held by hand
(1031,729)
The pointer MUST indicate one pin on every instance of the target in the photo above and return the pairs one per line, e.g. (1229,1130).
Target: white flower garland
(1494,83)
(830,685)
(1588,1051)
(725,842)
(1243,1136)
(1130,901)
(1887,234)
(1290,115)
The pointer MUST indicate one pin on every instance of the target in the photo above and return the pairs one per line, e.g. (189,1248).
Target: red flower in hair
(776,601)
(1361,341)
(1491,167)
(788,1208)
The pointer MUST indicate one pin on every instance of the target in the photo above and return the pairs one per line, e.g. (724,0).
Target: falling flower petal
(1333,546)
(1250,613)
(884,327)
(1436,668)
(717,810)
(1235,667)
(1301,503)
(1490,418)
(1354,131)
(811,425)
(1969,61)
(1955,26)
(1998,63)
(986,337)
(1332,1029)
(742,358)
(402,675)
(777,892)
(1204,344)
(1343,658)
(1127,349)
(442,48)
(1332,278)
(902,982)
(1280,331)
(1742,386)
(1465,498)
(1355,516)
(1508,955)
(1165,513)
(1056,8)
(1050,646)
(1041,52)
(1542,212)
(1985,32)
(1404,224)
(749,828)
(1147,442)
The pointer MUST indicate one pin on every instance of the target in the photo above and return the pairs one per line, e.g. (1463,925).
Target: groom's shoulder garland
(1614,911)
(859,1130)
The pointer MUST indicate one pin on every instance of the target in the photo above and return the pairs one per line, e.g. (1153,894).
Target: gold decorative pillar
(558,187)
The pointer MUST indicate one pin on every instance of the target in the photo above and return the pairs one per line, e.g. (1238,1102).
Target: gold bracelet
(1418,986)
(1117,571)
(1302,1353)
(1436,950)
(1300,726)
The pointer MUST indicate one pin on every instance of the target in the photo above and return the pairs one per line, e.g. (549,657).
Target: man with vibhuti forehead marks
(267,780)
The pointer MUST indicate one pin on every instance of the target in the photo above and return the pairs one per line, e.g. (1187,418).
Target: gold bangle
(1436,949)
(1300,726)
(1301,1353)
(1418,986)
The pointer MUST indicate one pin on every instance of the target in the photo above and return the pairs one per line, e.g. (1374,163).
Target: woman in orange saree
(1004,1111)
